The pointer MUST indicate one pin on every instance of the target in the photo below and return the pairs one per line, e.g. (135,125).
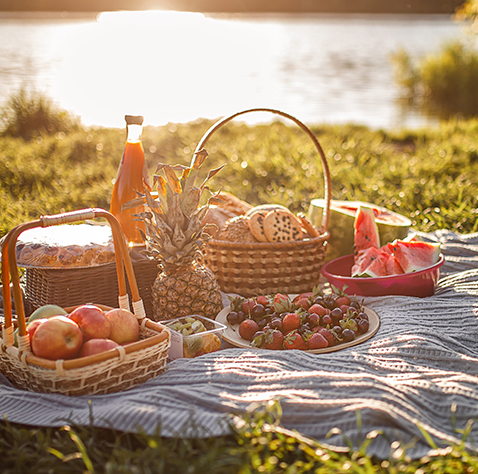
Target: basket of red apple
(81,350)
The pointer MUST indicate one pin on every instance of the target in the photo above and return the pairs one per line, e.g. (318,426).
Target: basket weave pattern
(109,376)
(262,268)
(266,268)
(111,371)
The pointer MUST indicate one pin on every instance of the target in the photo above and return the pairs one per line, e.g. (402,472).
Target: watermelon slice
(414,256)
(374,263)
(365,230)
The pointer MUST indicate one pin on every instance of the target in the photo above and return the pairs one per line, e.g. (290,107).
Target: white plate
(231,334)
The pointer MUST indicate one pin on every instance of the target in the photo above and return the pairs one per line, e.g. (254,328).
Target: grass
(430,175)
(259,444)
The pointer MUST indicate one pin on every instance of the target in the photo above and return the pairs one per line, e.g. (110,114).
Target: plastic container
(185,344)
(421,283)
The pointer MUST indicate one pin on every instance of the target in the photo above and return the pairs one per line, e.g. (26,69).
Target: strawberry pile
(310,321)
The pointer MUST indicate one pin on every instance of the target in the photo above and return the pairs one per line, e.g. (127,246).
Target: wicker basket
(111,371)
(262,268)
(73,286)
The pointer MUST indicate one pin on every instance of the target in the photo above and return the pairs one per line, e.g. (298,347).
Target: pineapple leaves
(198,159)
(211,174)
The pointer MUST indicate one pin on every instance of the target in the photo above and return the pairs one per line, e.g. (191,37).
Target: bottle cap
(134,119)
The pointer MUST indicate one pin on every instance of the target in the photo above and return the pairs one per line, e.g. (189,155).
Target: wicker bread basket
(250,269)
(111,371)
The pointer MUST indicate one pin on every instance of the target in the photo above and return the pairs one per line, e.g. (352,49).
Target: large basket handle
(9,268)
(327,180)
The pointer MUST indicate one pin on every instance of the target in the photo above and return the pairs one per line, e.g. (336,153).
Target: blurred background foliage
(444,83)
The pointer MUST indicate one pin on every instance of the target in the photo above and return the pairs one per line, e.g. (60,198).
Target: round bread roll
(217,216)
(237,230)
(265,208)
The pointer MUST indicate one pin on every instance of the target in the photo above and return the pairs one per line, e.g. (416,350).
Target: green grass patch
(259,444)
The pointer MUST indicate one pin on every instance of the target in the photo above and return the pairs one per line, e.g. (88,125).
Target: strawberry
(294,340)
(279,298)
(302,296)
(303,303)
(263,300)
(290,322)
(274,339)
(329,336)
(248,328)
(248,305)
(340,300)
(319,309)
(317,341)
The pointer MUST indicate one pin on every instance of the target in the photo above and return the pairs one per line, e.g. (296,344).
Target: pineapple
(174,237)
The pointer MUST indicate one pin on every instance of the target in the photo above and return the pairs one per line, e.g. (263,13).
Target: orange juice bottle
(132,176)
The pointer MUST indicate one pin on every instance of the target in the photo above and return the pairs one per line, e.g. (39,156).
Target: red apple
(33,326)
(124,325)
(92,322)
(57,338)
(95,346)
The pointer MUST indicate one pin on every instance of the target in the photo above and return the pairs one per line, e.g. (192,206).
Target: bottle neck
(134,133)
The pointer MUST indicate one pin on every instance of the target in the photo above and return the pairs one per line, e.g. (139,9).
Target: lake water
(177,67)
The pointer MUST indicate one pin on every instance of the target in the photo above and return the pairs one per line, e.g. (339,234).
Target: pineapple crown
(173,230)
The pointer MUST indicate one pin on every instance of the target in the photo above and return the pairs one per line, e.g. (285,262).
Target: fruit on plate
(393,258)
(124,326)
(175,236)
(92,321)
(281,322)
(391,225)
(96,346)
(57,338)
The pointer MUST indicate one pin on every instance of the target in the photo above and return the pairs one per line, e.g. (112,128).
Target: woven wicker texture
(258,268)
(74,286)
(111,371)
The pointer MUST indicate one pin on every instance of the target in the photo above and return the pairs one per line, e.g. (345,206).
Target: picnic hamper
(72,286)
(115,370)
(254,268)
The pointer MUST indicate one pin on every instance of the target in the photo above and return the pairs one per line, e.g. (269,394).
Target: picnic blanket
(420,371)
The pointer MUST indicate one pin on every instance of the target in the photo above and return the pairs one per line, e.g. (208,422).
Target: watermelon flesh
(365,230)
(414,256)
(394,258)
(374,262)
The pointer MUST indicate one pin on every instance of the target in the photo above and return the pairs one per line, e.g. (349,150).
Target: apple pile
(87,330)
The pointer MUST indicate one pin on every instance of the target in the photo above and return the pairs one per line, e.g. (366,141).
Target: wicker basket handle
(327,181)
(9,264)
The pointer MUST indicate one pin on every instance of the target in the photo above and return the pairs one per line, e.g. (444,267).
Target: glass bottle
(132,175)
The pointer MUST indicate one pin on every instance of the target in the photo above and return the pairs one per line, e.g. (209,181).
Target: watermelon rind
(341,225)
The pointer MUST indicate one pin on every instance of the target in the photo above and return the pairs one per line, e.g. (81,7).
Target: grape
(258,311)
(348,335)
(232,317)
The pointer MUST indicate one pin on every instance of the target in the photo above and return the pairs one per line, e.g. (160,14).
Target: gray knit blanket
(419,373)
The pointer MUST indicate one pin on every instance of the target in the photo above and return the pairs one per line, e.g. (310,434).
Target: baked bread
(237,230)
(282,226)
(215,219)
(65,246)
(232,203)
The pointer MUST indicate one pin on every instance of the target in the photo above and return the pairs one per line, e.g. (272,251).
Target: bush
(28,115)
(443,84)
